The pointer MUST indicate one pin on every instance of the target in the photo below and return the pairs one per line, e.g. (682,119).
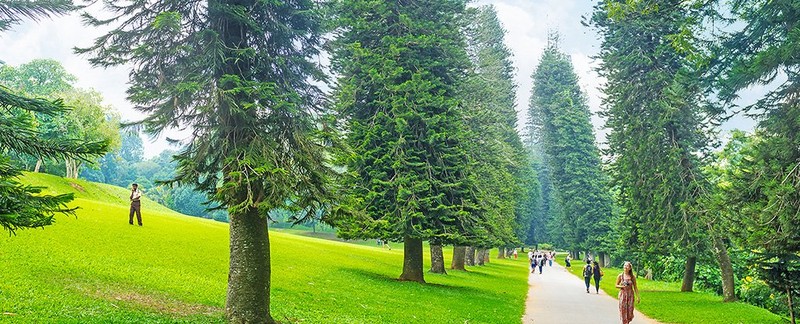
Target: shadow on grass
(365,274)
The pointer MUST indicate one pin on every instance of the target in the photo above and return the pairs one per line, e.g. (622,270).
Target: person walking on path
(136,204)
(587,275)
(597,273)
(553,297)
(541,262)
(626,282)
(567,260)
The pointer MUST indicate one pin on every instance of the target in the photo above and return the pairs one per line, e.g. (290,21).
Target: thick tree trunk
(501,253)
(412,260)
(38,165)
(437,259)
(726,269)
(688,274)
(479,257)
(470,256)
(249,275)
(459,257)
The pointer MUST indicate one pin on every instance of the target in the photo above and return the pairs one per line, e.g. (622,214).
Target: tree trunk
(249,274)
(479,257)
(791,304)
(726,269)
(412,260)
(501,253)
(437,259)
(688,274)
(38,165)
(459,257)
(66,168)
(486,255)
(470,256)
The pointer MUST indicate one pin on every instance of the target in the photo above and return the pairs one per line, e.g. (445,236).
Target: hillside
(97,268)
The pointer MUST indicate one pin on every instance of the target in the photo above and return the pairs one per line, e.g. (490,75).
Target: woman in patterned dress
(626,282)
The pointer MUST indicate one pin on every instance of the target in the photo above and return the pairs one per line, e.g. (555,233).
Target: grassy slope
(664,302)
(97,268)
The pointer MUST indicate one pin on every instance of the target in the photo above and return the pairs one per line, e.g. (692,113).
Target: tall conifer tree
(237,73)
(495,148)
(400,63)
(571,154)
(654,109)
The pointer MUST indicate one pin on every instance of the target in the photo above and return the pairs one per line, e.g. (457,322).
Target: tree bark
(791,304)
(459,258)
(412,260)
(726,269)
(486,255)
(249,275)
(479,257)
(38,165)
(470,255)
(688,274)
(437,259)
(501,253)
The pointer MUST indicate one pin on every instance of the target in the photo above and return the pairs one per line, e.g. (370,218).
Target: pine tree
(399,64)
(495,148)
(573,159)
(238,74)
(654,109)
(761,187)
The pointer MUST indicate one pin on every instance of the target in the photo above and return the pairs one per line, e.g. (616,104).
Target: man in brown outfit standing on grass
(136,204)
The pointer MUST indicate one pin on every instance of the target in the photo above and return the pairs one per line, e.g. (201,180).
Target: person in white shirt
(136,204)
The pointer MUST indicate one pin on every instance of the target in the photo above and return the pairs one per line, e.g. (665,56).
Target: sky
(528,23)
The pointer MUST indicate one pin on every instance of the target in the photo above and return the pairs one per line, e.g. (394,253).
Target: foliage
(399,65)
(658,123)
(86,117)
(174,269)
(572,158)
(23,206)
(506,185)
(13,12)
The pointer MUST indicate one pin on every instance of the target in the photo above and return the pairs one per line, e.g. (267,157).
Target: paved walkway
(556,296)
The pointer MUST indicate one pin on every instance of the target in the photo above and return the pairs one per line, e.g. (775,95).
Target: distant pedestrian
(542,260)
(626,282)
(567,260)
(587,275)
(515,253)
(550,258)
(136,204)
(597,273)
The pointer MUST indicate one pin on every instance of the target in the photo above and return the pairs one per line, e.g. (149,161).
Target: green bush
(756,292)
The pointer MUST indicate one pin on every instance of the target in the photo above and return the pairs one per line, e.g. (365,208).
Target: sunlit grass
(98,269)
(664,302)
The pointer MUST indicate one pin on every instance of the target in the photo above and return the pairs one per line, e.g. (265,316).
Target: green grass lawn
(98,269)
(664,302)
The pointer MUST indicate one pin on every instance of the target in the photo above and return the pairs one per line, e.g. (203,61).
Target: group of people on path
(626,281)
(540,258)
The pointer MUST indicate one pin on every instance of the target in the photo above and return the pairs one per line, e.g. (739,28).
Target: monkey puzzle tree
(237,73)
(399,64)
